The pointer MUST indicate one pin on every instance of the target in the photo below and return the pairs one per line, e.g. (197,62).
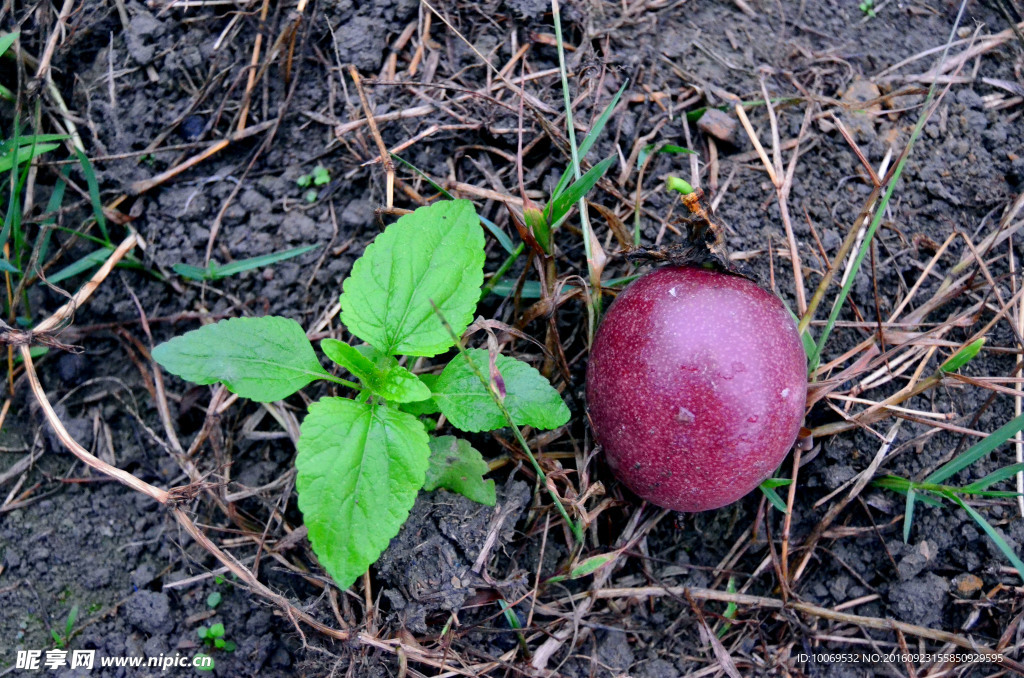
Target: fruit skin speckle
(696,386)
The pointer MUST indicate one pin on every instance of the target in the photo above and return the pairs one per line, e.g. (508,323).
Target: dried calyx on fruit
(697,379)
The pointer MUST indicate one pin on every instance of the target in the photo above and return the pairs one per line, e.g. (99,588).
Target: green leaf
(216,631)
(8,267)
(215,272)
(678,185)
(591,564)
(213,600)
(996,476)
(23,154)
(586,566)
(649,149)
(908,514)
(7,40)
(203,662)
(321,176)
(777,482)
(434,254)
(391,382)
(978,450)
(572,195)
(190,272)
(263,359)
(202,632)
(530,398)
(774,498)
(589,140)
(457,466)
(91,260)
(963,356)
(359,466)
(94,193)
(428,406)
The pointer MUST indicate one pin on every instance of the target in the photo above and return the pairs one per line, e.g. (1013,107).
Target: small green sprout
(868,7)
(320,176)
(61,640)
(213,636)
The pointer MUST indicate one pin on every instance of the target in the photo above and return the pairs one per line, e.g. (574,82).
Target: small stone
(967,584)
(718,124)
(192,127)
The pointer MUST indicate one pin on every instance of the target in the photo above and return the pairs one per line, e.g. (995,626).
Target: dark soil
(152,91)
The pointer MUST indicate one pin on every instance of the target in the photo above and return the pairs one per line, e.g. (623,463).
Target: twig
(140,187)
(1018,440)
(83,454)
(385,158)
(65,312)
(251,82)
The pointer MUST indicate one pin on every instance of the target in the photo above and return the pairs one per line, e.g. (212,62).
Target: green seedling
(61,640)
(215,271)
(320,176)
(213,600)
(213,637)
(868,7)
(768,489)
(362,460)
(730,609)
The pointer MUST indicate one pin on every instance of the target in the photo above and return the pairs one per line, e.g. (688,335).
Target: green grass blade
(23,154)
(869,235)
(653,148)
(777,482)
(963,356)
(52,205)
(774,498)
(589,140)
(94,194)
(908,514)
(423,175)
(242,265)
(190,272)
(30,139)
(90,260)
(572,195)
(992,534)
(1004,473)
(7,40)
(978,450)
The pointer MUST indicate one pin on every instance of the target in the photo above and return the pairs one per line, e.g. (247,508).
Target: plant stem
(502,270)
